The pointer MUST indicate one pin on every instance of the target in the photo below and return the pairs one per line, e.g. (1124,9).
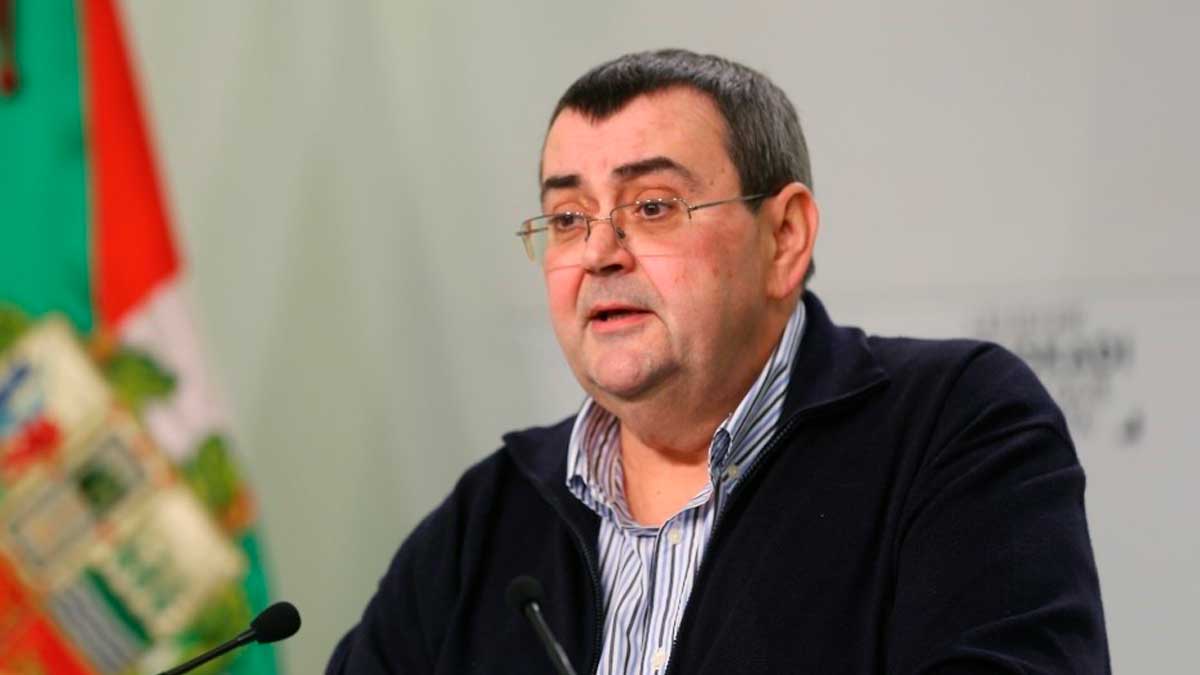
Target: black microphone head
(277,622)
(522,591)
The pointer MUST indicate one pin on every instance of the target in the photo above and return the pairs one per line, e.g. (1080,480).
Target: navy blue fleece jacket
(920,510)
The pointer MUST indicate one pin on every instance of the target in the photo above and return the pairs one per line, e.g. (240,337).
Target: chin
(618,391)
(624,381)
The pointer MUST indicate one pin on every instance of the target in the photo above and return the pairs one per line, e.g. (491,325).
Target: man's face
(676,322)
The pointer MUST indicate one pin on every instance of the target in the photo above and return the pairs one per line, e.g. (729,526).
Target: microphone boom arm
(558,656)
(244,637)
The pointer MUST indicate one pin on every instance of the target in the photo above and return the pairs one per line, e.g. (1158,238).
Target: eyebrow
(660,164)
(626,173)
(560,183)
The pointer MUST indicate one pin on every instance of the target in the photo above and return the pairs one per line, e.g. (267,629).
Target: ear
(795,220)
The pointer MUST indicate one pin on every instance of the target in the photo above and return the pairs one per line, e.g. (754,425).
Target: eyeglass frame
(525,233)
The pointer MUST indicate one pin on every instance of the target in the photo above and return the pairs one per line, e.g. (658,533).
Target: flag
(128,537)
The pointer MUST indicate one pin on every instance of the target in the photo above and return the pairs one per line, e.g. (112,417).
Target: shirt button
(673,536)
(660,658)
(733,472)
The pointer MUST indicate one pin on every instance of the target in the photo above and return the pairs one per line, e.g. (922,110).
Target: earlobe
(796,221)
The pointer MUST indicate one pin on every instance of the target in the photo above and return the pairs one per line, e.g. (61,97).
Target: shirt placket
(656,651)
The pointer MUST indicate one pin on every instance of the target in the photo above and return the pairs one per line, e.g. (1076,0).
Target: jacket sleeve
(394,633)
(995,572)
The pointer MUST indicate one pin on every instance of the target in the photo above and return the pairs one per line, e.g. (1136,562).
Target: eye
(562,222)
(656,209)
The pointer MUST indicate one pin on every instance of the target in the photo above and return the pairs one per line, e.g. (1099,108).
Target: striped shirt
(647,572)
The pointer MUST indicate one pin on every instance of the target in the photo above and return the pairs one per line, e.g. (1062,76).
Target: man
(748,488)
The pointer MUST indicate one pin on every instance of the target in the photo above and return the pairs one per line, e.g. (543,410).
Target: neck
(665,437)
(664,455)
(658,481)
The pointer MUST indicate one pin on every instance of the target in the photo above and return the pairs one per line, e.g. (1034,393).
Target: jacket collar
(834,367)
(834,364)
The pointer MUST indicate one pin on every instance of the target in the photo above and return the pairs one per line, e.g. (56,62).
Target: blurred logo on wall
(1082,362)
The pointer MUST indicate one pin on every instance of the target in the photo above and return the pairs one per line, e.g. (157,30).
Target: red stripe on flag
(28,641)
(132,247)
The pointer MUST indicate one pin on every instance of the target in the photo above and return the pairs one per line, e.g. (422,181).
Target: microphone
(277,622)
(525,595)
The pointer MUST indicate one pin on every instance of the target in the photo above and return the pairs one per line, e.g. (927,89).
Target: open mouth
(614,314)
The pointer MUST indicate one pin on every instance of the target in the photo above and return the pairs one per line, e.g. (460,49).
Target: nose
(606,249)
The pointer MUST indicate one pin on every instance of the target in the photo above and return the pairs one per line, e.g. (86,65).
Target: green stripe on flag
(117,607)
(262,659)
(44,240)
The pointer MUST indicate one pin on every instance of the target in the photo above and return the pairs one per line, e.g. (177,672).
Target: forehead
(680,123)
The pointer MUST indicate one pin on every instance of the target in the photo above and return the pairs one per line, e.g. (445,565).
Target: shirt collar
(750,425)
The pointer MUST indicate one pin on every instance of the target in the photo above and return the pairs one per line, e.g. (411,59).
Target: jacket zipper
(597,597)
(593,574)
(785,431)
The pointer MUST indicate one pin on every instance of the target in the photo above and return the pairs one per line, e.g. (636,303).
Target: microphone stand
(242,638)
(558,656)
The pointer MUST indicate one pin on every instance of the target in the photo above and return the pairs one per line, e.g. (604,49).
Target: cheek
(692,291)
(702,286)
(718,261)
(562,290)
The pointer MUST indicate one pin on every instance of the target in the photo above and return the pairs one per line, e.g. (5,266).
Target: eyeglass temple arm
(744,198)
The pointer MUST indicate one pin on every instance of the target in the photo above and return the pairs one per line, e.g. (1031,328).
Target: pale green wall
(346,177)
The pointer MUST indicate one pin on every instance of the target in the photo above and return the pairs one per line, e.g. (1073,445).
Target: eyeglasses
(646,227)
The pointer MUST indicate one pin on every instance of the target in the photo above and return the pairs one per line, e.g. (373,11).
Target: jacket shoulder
(495,479)
(974,368)
(408,619)
(907,355)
